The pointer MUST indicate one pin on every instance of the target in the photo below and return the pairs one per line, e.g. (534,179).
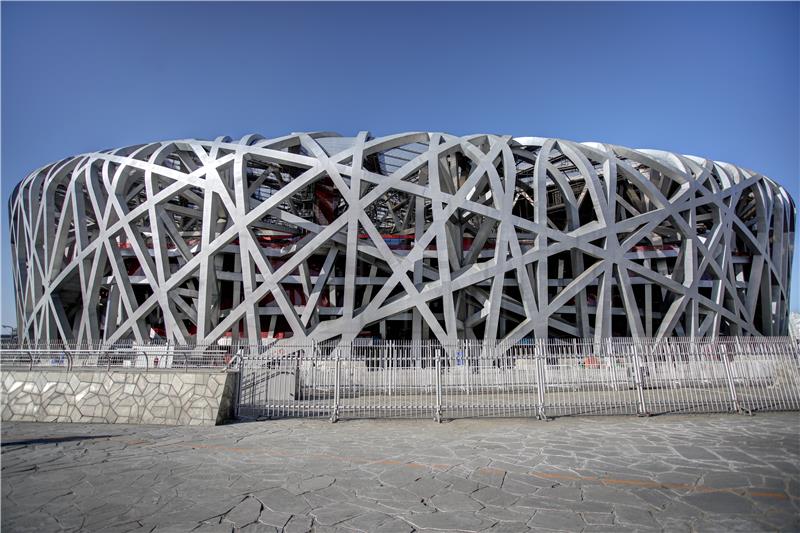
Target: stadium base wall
(118,397)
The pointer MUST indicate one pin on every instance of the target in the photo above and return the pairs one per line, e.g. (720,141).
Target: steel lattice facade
(416,235)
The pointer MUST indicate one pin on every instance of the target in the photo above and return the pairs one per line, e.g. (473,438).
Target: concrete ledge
(118,396)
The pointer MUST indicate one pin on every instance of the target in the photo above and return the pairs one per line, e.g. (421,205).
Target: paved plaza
(668,473)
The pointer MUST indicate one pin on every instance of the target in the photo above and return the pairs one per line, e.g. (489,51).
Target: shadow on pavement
(54,440)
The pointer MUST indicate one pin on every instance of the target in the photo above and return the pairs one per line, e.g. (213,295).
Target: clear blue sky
(717,80)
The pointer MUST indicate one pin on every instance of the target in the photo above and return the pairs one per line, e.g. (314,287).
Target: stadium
(316,236)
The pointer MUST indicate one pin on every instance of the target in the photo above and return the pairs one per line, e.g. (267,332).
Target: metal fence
(537,378)
(121,355)
(553,377)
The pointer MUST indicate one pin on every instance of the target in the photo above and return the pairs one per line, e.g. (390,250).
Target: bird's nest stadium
(316,236)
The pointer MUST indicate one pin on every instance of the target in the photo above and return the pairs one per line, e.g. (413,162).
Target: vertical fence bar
(438,365)
(336,386)
(540,378)
(638,378)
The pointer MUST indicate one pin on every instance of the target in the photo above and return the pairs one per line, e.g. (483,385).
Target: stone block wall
(118,396)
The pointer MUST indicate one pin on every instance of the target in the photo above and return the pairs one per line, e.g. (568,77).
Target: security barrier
(377,379)
(429,379)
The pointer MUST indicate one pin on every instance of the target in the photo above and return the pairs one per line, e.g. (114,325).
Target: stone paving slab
(676,473)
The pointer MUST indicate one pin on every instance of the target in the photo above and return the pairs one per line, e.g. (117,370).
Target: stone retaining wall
(118,396)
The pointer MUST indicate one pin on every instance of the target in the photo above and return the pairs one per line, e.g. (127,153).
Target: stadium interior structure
(407,236)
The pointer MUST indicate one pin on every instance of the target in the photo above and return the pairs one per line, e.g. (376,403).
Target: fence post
(729,374)
(239,370)
(336,387)
(638,378)
(539,348)
(438,414)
